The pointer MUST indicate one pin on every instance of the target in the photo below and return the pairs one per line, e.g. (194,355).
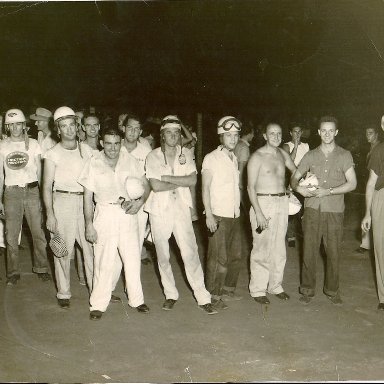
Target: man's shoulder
(154,154)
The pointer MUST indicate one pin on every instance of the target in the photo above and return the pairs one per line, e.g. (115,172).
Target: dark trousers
(224,256)
(329,227)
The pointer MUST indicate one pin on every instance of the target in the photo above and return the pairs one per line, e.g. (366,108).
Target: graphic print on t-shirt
(17,160)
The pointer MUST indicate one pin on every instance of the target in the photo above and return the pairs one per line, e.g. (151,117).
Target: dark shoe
(380,307)
(146,261)
(143,308)
(115,299)
(219,304)
(12,280)
(282,296)
(305,299)
(230,296)
(291,243)
(95,315)
(361,250)
(44,276)
(261,300)
(336,300)
(168,304)
(64,303)
(208,308)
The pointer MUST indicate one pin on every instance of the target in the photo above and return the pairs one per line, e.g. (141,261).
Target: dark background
(258,60)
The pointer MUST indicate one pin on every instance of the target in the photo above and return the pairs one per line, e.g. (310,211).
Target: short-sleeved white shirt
(108,184)
(224,189)
(302,149)
(140,153)
(155,167)
(46,142)
(69,164)
(19,164)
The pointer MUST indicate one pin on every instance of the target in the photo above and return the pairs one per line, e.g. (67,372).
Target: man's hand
(321,192)
(51,223)
(304,191)
(2,212)
(90,233)
(262,222)
(211,223)
(131,207)
(366,223)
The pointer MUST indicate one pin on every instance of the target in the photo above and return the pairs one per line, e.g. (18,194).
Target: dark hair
(131,116)
(328,119)
(86,116)
(247,129)
(294,125)
(374,127)
(110,131)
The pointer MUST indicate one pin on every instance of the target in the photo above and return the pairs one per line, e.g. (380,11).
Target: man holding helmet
(114,225)
(20,159)
(63,198)
(170,173)
(221,198)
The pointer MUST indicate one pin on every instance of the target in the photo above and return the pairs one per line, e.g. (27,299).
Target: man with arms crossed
(268,216)
(324,208)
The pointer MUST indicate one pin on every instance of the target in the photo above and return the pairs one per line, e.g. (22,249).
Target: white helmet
(14,116)
(134,188)
(228,124)
(63,112)
(170,121)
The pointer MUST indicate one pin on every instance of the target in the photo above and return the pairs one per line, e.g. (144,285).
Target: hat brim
(39,117)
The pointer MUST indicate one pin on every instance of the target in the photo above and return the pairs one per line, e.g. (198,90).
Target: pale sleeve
(152,167)
(86,178)
(207,163)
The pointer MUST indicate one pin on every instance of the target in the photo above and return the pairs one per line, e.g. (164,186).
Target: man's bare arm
(159,186)
(48,178)
(181,181)
(367,220)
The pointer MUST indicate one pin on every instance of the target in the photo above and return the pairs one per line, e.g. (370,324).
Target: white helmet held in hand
(134,188)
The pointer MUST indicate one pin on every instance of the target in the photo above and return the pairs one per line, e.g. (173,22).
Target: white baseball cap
(228,124)
(14,116)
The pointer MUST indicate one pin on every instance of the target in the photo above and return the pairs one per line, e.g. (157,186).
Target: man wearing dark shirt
(324,208)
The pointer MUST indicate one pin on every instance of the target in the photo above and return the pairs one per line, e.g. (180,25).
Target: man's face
(68,128)
(91,126)
(273,135)
(16,129)
(132,130)
(371,135)
(111,144)
(229,140)
(41,125)
(328,132)
(171,136)
(296,133)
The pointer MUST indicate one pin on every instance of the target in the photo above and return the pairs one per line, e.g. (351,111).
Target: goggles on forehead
(170,121)
(230,123)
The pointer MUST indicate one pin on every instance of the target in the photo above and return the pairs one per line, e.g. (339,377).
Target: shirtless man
(268,215)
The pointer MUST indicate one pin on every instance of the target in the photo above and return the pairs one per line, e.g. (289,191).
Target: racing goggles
(170,123)
(230,124)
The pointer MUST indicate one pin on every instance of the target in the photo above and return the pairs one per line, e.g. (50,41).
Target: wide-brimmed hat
(41,114)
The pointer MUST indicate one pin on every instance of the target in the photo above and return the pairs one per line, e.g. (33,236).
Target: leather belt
(27,185)
(273,194)
(69,192)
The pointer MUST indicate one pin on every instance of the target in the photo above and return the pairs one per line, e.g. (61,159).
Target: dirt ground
(284,341)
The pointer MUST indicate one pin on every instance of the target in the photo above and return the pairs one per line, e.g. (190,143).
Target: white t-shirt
(155,167)
(69,165)
(302,149)
(108,184)
(19,165)
(224,190)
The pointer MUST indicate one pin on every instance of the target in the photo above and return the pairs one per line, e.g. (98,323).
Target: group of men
(86,201)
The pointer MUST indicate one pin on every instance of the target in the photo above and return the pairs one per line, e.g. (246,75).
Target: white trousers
(117,242)
(268,255)
(143,219)
(177,220)
(69,214)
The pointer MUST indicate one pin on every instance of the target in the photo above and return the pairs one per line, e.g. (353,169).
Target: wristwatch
(331,191)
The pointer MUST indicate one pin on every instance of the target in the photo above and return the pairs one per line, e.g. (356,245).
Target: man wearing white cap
(221,198)
(268,216)
(20,159)
(171,173)
(63,198)
(42,118)
(114,225)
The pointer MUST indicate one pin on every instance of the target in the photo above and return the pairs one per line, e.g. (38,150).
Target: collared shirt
(19,164)
(140,153)
(46,142)
(376,163)
(302,149)
(106,183)
(224,190)
(330,172)
(156,167)
(242,151)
